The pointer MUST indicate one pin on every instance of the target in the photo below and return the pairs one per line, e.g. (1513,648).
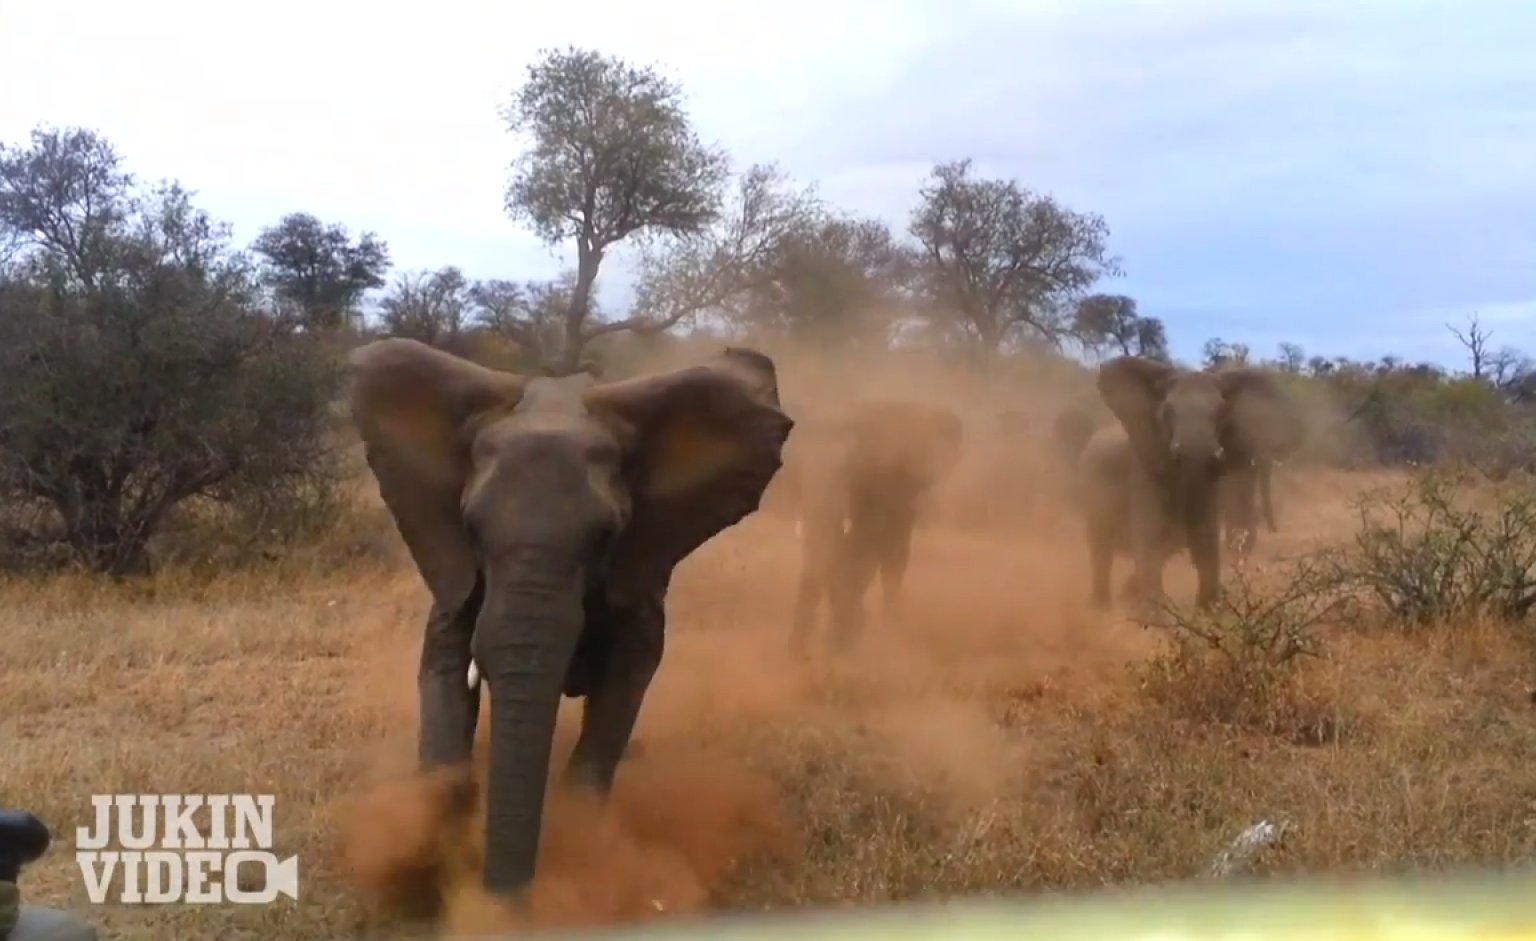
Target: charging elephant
(545,516)
(1154,485)
(864,481)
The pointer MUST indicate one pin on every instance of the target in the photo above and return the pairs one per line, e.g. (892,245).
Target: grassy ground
(998,740)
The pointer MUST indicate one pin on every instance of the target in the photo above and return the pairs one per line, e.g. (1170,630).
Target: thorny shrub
(1447,549)
(1238,661)
(1436,552)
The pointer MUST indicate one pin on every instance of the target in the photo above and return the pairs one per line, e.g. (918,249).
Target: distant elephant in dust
(864,480)
(1102,484)
(545,516)
(1153,486)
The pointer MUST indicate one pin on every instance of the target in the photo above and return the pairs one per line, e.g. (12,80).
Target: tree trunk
(105,543)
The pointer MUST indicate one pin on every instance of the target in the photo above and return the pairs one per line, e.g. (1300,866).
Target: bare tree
(1514,374)
(1293,359)
(681,278)
(1217,353)
(1476,342)
(1003,261)
(430,306)
(612,156)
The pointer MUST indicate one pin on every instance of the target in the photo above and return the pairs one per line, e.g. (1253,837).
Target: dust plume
(676,827)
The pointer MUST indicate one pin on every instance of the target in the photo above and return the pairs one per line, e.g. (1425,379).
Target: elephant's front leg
(613,703)
(808,595)
(895,551)
(1237,518)
(450,708)
(1101,559)
(820,541)
(1266,472)
(853,569)
(1149,538)
(1205,552)
(1147,575)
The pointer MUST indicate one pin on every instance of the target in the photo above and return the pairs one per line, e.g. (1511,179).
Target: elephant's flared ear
(1261,419)
(704,444)
(1133,388)
(417,409)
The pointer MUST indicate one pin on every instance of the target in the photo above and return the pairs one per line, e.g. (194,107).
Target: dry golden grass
(996,741)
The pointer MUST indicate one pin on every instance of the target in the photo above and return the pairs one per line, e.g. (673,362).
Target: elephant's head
(532,498)
(1188,427)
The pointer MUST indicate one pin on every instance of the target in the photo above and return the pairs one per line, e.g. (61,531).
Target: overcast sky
(1347,175)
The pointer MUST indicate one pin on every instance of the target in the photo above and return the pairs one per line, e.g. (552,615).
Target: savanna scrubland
(204,594)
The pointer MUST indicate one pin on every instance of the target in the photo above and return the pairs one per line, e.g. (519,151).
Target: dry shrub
(1241,661)
(1439,550)
(1443,549)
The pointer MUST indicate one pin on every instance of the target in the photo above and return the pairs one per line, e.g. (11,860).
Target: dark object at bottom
(23,838)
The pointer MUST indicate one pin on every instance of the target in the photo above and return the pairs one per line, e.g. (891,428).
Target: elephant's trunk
(524,640)
(1195,494)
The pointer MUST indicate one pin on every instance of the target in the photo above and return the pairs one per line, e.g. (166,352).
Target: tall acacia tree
(998,263)
(318,271)
(1111,322)
(612,156)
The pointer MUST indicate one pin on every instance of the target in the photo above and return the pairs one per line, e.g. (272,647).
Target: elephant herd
(545,516)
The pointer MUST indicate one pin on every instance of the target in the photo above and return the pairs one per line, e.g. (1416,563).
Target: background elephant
(864,479)
(1104,492)
(545,516)
(1155,485)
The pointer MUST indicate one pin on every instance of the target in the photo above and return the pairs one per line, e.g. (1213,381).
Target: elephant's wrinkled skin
(1154,485)
(862,482)
(545,516)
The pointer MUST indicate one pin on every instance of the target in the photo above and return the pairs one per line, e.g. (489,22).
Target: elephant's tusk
(474,675)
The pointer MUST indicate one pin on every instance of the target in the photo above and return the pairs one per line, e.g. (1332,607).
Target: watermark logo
(163,855)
